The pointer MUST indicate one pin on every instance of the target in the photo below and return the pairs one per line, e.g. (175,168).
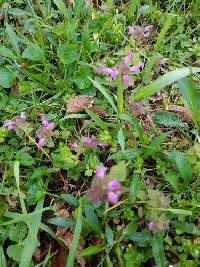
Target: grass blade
(97,119)
(31,241)
(77,234)
(16,174)
(2,258)
(163,81)
(104,93)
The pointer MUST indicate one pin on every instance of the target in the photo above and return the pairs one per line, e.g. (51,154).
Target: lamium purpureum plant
(104,187)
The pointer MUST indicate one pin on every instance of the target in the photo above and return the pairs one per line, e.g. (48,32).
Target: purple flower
(136,67)
(126,79)
(9,123)
(100,171)
(46,124)
(114,185)
(113,197)
(130,29)
(148,181)
(148,27)
(114,74)
(103,145)
(103,70)
(88,140)
(128,57)
(42,142)
(74,145)
(152,226)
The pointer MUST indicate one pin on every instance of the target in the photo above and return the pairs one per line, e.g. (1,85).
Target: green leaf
(168,119)
(75,240)
(104,92)
(134,187)
(109,235)
(118,171)
(13,38)
(31,241)
(191,95)
(92,250)
(129,154)
(163,81)
(62,222)
(182,164)
(172,179)
(5,52)
(68,53)
(28,86)
(154,146)
(70,199)
(158,251)
(6,77)
(81,77)
(2,258)
(33,52)
(188,228)
(121,139)
(18,232)
(92,218)
(14,252)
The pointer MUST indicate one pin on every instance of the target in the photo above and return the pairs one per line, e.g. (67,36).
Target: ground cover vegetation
(99,133)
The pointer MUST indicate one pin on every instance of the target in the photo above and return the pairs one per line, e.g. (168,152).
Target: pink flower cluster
(45,132)
(89,142)
(123,67)
(16,122)
(136,30)
(106,189)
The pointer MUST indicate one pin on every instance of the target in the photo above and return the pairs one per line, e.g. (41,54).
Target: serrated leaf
(33,52)
(68,53)
(14,252)
(182,164)
(158,251)
(18,232)
(163,81)
(6,77)
(13,39)
(172,179)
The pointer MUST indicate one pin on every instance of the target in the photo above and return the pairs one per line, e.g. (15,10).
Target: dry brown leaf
(184,113)
(79,103)
(99,111)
